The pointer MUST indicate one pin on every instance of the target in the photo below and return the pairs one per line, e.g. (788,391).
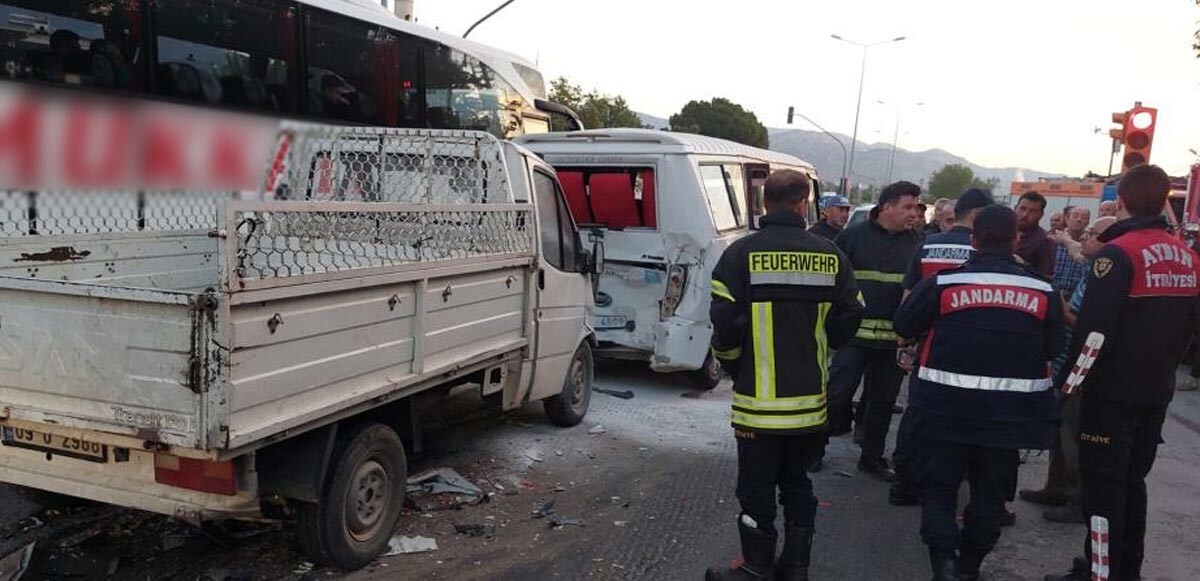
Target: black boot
(943,564)
(1080,571)
(758,555)
(797,548)
(969,560)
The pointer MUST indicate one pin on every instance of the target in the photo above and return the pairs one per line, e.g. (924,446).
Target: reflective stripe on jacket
(880,259)
(982,376)
(781,299)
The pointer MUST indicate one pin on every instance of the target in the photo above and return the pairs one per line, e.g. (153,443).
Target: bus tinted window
(71,42)
(236,53)
(463,93)
(359,72)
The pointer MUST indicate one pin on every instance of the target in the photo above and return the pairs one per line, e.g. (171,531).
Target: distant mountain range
(871,160)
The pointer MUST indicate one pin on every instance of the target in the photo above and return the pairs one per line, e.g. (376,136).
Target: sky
(1017,83)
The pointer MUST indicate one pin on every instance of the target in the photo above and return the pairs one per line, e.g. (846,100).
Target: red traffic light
(1138,135)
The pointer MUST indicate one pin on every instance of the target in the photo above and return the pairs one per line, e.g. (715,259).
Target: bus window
(463,93)
(233,53)
(360,72)
(71,42)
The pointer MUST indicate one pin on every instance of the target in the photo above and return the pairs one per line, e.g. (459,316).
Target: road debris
(559,522)
(544,510)
(302,568)
(403,545)
(623,394)
(620,523)
(442,489)
(442,481)
(597,430)
(487,529)
(534,455)
(15,564)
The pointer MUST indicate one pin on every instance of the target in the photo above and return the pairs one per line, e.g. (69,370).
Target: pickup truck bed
(210,324)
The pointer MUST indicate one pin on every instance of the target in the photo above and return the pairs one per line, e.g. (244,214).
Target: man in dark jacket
(982,390)
(781,299)
(835,210)
(1034,246)
(945,250)
(880,250)
(1137,316)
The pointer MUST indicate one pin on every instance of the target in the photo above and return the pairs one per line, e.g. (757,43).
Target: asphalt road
(654,494)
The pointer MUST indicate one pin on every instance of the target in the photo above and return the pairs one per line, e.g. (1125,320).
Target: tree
(721,118)
(595,109)
(953,179)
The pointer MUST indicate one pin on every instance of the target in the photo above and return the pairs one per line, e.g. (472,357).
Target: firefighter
(948,249)
(981,390)
(781,299)
(879,249)
(1135,321)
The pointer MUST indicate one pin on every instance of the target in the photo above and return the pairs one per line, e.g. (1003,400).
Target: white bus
(238,64)
(348,61)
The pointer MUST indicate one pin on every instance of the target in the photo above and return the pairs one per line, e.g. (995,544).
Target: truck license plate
(610,322)
(54,444)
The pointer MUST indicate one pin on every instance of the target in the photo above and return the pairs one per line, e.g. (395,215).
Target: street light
(487,16)
(896,138)
(862,75)
(842,183)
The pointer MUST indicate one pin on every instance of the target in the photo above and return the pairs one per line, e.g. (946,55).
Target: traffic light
(1136,134)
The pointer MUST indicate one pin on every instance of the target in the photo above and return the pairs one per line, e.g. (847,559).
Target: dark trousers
(1063,474)
(881,379)
(770,465)
(904,457)
(1117,446)
(941,468)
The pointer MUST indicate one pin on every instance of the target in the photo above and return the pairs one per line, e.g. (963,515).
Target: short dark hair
(893,192)
(995,229)
(1144,190)
(1034,197)
(1067,210)
(786,187)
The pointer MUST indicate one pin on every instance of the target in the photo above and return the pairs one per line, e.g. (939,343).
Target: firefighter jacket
(981,378)
(1141,297)
(781,299)
(949,249)
(880,259)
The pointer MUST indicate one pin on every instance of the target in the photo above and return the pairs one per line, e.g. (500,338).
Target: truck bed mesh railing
(292,239)
(64,213)
(377,164)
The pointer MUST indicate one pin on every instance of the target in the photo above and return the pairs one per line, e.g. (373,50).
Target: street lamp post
(842,183)
(895,139)
(862,75)
(487,16)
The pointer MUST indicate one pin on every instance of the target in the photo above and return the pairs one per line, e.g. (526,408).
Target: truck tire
(568,408)
(709,375)
(361,503)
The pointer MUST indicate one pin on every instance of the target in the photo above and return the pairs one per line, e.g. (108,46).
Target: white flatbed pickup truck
(207,357)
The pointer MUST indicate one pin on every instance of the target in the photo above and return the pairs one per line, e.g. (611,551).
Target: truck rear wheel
(568,408)
(360,505)
(709,374)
